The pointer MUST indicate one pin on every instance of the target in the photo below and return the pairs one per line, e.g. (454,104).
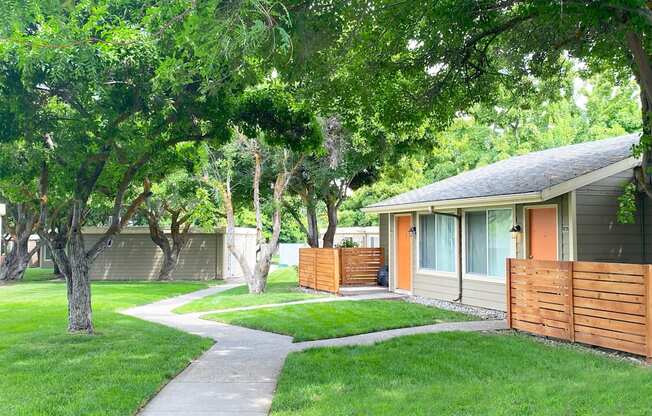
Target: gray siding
(599,235)
(383,234)
(136,257)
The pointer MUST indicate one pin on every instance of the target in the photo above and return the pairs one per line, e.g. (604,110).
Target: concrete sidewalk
(237,376)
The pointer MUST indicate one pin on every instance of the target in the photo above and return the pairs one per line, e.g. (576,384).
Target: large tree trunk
(56,241)
(312,232)
(170,262)
(258,283)
(171,251)
(329,235)
(80,319)
(643,71)
(225,191)
(18,259)
(15,263)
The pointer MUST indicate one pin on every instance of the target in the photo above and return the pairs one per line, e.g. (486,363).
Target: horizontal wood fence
(329,268)
(359,266)
(319,269)
(604,304)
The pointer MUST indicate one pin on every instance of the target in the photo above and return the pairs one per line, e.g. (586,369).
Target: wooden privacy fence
(603,304)
(329,268)
(359,266)
(319,269)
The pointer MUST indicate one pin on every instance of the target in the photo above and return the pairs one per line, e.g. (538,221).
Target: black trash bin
(383,276)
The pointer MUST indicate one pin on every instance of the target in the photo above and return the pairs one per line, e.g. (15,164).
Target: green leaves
(272,112)
(627,205)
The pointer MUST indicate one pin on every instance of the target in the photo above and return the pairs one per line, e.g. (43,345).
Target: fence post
(314,270)
(648,312)
(337,264)
(342,267)
(508,266)
(570,302)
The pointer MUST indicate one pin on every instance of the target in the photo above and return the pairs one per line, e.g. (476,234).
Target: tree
(18,193)
(432,59)
(100,88)
(22,224)
(178,202)
(325,179)
(275,133)
(590,109)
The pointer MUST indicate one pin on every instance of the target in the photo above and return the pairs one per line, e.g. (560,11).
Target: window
(437,242)
(46,253)
(488,241)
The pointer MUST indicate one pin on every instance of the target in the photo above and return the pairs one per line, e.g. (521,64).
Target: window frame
(434,272)
(478,276)
(47,256)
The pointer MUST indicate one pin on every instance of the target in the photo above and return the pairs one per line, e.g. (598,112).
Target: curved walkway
(237,376)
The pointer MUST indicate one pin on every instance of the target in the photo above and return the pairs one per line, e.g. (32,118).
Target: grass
(37,274)
(458,373)
(282,287)
(312,321)
(45,371)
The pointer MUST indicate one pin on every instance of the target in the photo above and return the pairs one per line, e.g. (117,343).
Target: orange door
(403,253)
(542,234)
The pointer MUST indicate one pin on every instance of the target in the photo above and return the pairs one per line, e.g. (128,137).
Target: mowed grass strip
(45,371)
(311,321)
(458,373)
(282,287)
(37,274)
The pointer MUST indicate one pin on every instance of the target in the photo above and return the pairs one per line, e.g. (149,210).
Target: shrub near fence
(603,304)
(329,268)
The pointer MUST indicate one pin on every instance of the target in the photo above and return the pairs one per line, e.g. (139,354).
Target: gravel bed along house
(481,313)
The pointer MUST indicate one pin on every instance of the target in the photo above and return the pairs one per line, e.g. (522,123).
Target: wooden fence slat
(571,303)
(608,296)
(610,277)
(611,305)
(616,268)
(599,313)
(508,267)
(613,287)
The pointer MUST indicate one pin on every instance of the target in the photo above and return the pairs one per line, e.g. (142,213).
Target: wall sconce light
(413,232)
(515,229)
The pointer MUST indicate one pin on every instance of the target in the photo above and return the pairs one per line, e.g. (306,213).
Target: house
(449,240)
(134,256)
(362,236)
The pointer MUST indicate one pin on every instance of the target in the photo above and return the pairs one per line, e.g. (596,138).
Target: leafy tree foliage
(582,110)
(100,88)
(405,62)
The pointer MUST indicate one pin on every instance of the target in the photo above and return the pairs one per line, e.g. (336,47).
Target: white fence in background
(289,253)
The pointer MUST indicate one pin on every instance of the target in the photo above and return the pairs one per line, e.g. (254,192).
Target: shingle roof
(532,172)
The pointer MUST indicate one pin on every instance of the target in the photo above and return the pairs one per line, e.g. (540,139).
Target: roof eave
(529,197)
(523,198)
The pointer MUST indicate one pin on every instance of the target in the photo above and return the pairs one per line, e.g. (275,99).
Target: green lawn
(312,321)
(282,287)
(45,371)
(459,373)
(36,274)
